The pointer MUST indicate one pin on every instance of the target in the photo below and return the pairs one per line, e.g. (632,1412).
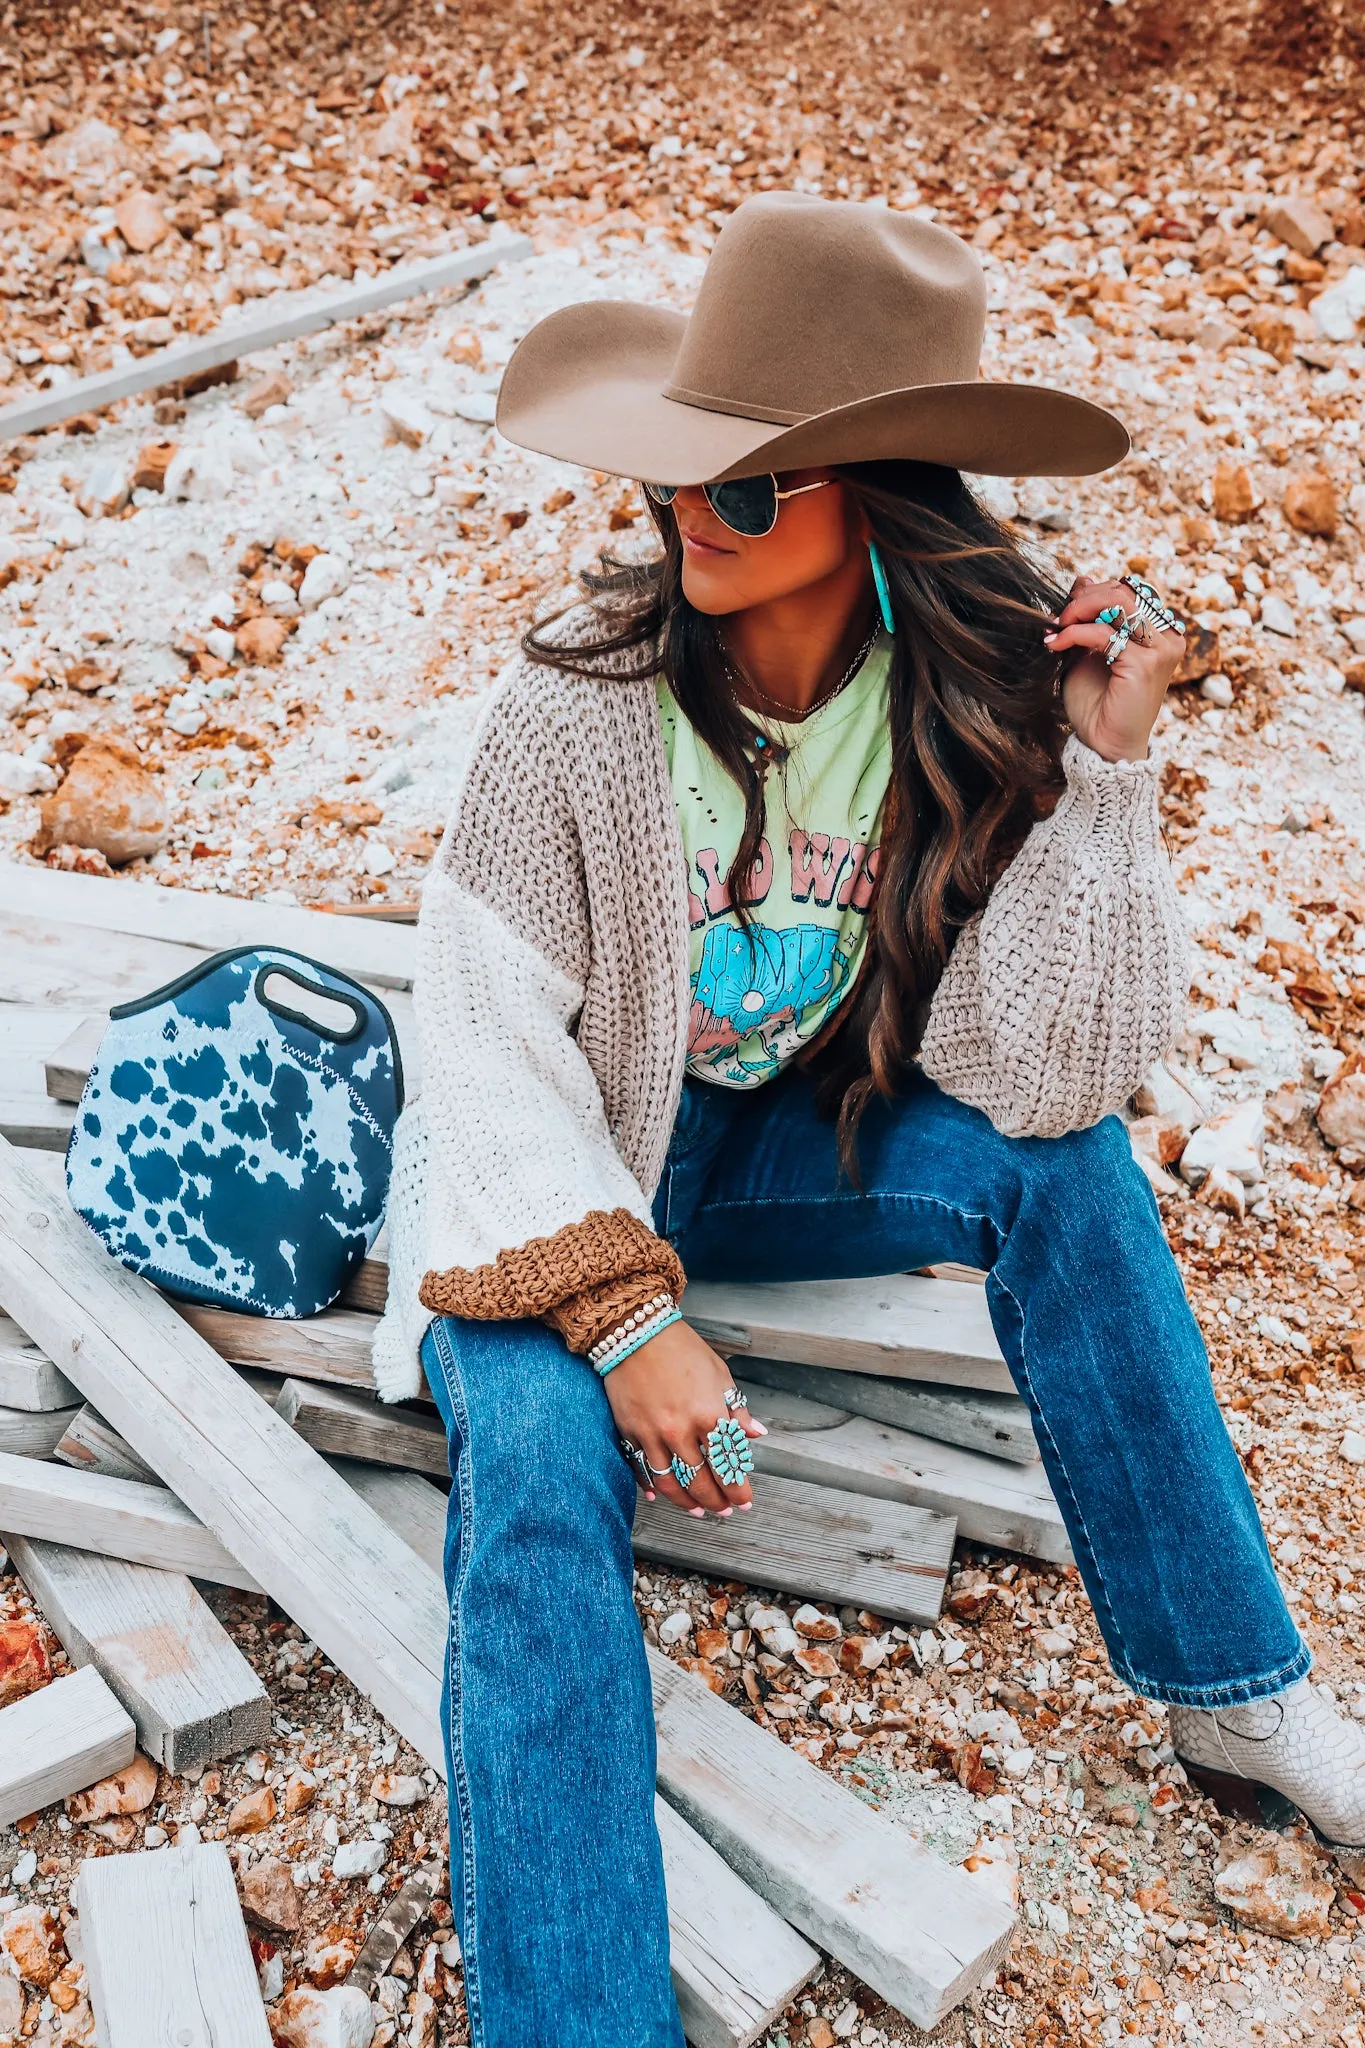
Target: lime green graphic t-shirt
(759,995)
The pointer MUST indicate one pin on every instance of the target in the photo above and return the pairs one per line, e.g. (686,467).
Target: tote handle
(323,1020)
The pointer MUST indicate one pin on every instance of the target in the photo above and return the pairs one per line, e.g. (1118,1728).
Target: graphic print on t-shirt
(759,993)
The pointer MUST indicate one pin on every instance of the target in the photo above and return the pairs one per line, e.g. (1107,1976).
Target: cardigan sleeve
(530,1208)
(1073,978)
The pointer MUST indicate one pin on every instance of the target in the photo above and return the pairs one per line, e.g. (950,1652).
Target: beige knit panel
(565,827)
(1073,980)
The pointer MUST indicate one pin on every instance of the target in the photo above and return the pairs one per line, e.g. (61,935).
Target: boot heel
(1242,1798)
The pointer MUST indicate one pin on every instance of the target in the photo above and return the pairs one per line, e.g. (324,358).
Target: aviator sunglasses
(746,504)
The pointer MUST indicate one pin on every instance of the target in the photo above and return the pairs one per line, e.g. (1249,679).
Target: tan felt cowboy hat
(824,331)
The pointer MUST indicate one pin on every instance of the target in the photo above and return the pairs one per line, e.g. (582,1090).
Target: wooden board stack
(142,1445)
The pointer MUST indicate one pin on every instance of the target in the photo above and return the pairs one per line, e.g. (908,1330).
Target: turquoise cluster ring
(728,1451)
(682,1471)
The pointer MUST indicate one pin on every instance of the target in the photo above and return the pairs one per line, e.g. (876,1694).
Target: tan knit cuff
(584,1319)
(608,1255)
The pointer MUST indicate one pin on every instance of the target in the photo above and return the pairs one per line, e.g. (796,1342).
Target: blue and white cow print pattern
(232,1154)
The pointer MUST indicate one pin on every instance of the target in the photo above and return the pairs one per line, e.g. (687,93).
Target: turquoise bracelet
(638,1337)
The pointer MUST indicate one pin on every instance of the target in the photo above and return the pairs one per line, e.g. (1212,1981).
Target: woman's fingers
(1081,635)
(666,1485)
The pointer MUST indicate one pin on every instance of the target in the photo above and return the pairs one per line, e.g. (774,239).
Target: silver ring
(735,1399)
(637,1461)
(683,1472)
(1117,642)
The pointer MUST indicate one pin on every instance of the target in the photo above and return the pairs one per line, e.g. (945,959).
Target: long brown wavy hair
(977,731)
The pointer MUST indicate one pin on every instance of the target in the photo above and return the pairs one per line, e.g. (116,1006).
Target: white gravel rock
(326,576)
(21,775)
(360,1859)
(1276,617)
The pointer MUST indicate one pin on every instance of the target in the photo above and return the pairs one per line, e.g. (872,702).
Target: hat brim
(586,385)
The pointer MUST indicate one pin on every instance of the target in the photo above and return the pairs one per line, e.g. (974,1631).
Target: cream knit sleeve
(1073,979)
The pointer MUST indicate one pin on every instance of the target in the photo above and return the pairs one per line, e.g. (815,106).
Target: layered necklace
(743,685)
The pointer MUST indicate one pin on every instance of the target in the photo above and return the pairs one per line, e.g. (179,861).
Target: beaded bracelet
(638,1338)
(646,1318)
(633,1321)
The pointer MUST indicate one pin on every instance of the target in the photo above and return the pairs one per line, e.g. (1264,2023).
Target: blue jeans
(555,1863)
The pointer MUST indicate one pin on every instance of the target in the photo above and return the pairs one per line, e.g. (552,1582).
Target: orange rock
(261,640)
(254,1812)
(32,1938)
(67,1987)
(819,2034)
(109,801)
(24,1663)
(270,1897)
(815,1662)
(328,1962)
(1233,496)
(1278,1886)
(712,1642)
(969,1596)
(127,1791)
(707,1673)
(1310,503)
(1355,675)
(299,1793)
(1272,332)
(149,472)
(1201,656)
(1341,1109)
(140,221)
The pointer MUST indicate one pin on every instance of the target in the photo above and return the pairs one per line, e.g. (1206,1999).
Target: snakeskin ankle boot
(1262,1761)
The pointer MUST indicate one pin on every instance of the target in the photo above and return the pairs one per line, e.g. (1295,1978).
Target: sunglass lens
(662,494)
(747,504)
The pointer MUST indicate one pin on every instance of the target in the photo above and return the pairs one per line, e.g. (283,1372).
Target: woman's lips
(694,544)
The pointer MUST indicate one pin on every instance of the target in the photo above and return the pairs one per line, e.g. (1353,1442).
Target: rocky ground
(262,616)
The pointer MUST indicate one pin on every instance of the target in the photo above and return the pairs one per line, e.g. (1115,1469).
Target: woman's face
(815,537)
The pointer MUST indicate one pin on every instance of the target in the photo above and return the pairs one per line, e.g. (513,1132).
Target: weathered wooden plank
(29,1032)
(735,1962)
(90,1445)
(998,1424)
(158,1647)
(411,1506)
(1009,1506)
(60,1740)
(299,1530)
(918,1931)
(825,1543)
(283,318)
(29,1379)
(355,1426)
(382,954)
(166,1953)
(333,1347)
(901,1326)
(26,1433)
(80,966)
(115,1518)
(67,1067)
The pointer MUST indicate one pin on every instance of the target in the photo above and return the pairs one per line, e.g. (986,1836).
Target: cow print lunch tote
(234,1139)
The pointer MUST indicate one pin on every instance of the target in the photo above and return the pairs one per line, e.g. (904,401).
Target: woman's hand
(666,1397)
(1112,709)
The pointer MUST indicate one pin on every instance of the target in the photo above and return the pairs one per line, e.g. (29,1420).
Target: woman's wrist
(659,1313)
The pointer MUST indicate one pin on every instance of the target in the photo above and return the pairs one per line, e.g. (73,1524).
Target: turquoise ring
(682,1471)
(728,1452)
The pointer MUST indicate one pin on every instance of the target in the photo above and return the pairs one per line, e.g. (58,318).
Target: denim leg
(1091,1315)
(546,1704)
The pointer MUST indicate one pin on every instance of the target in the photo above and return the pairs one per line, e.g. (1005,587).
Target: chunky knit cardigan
(552,1000)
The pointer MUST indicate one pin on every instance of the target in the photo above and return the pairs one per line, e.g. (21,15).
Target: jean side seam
(1079,1518)
(853,1197)
(455,1693)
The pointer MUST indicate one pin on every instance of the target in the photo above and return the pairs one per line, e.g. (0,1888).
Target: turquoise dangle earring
(874,554)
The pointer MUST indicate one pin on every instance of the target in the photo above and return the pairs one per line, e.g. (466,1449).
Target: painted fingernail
(744,1506)
(697,1514)
(721,1513)
(650,1496)
(759,1429)
(1049,638)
